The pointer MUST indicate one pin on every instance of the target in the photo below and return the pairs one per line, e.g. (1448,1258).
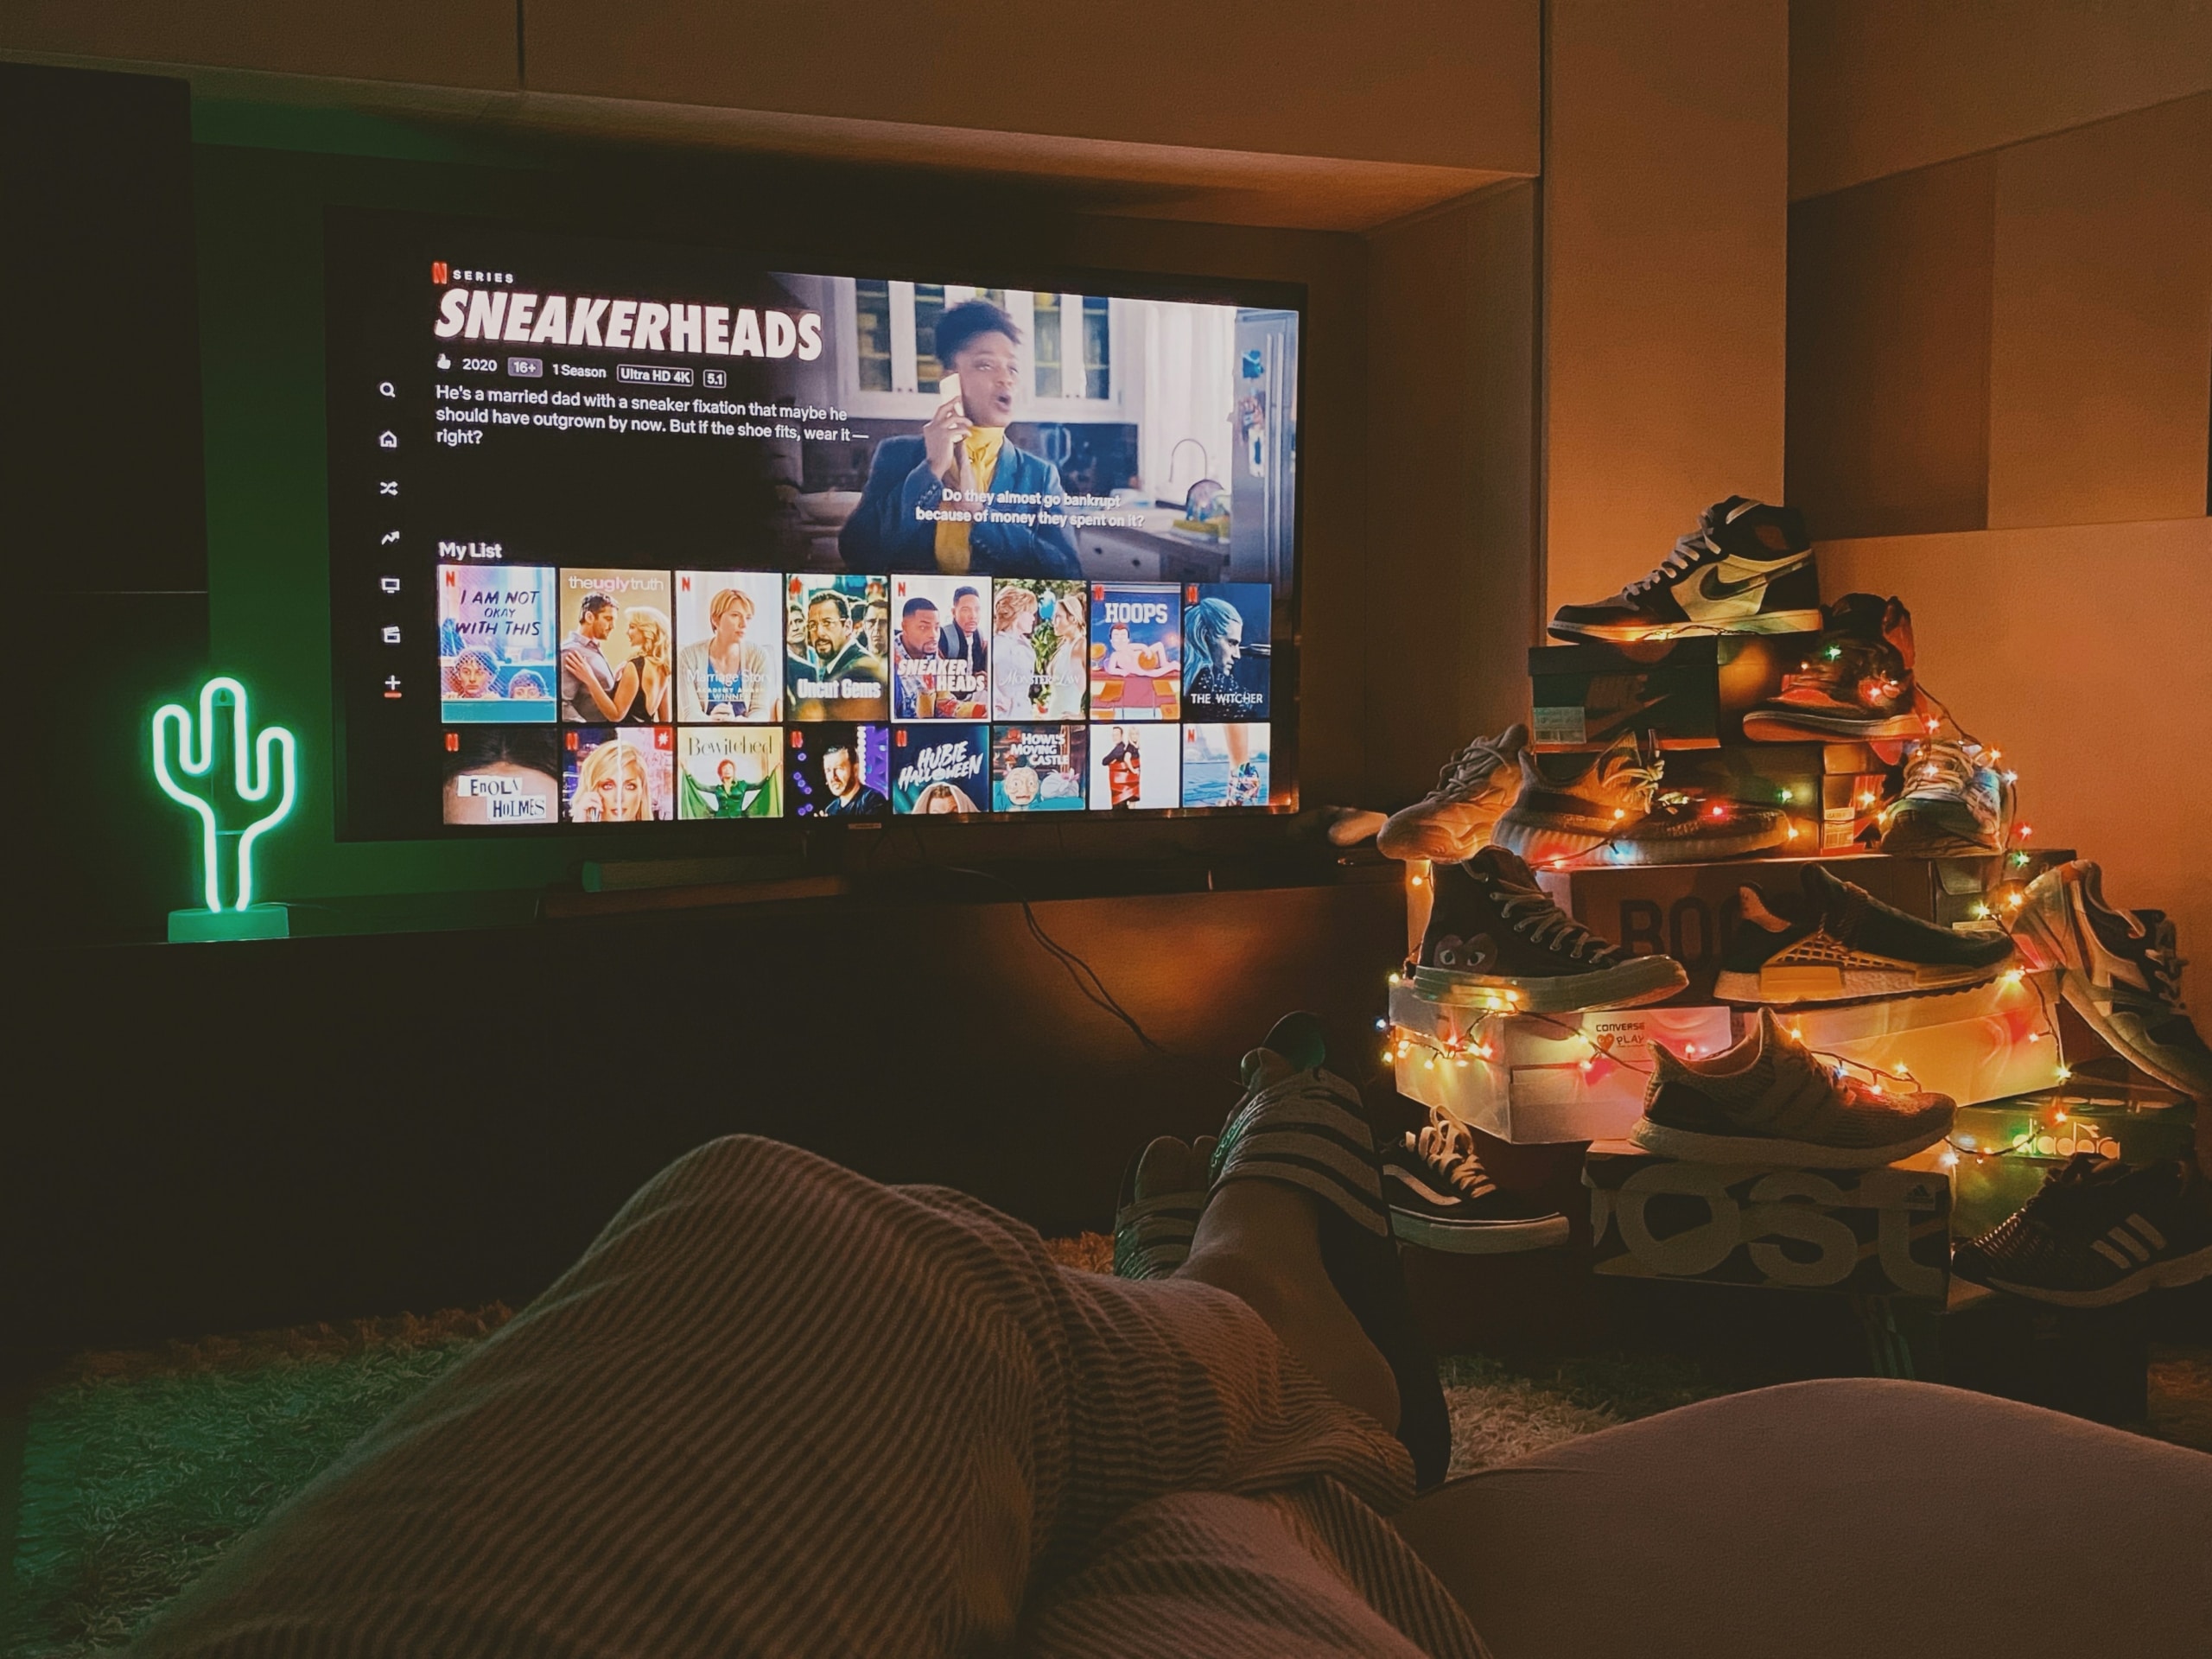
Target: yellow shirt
(983,444)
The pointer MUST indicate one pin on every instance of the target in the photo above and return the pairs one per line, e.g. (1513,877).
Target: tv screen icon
(388,584)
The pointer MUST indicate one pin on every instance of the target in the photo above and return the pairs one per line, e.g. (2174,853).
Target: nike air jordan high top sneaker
(1746,569)
(1858,687)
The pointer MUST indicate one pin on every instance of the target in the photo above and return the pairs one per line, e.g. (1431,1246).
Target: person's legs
(779,1407)
(1838,1519)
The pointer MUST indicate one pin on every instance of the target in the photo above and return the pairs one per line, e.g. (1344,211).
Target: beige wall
(1665,241)
(1450,564)
(1878,86)
(2079,652)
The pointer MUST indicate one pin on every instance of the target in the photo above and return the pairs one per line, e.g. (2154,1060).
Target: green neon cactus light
(263,766)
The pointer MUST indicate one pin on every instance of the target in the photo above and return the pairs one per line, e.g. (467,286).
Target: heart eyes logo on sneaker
(1468,956)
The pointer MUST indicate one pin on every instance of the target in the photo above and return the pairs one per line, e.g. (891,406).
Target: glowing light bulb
(1980,913)
(2019,859)
(1719,810)
(2012,976)
(1796,1033)
(2058,1117)
(1935,725)
(1947,1159)
(1584,1065)
(2025,831)
(2016,900)
(2035,1036)
(1793,832)
(1690,1050)
(2063,1074)
(1382,1025)
(1394,979)
(1899,1069)
(1416,881)
(1428,1064)
(1832,652)
(1996,754)
(1619,812)
(2012,777)
(1866,800)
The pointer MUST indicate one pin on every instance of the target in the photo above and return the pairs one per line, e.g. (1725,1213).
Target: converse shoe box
(2006,1147)
(1689,912)
(1691,690)
(1882,1232)
(1545,1078)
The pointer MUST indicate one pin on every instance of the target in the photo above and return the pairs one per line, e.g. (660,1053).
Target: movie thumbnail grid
(592,696)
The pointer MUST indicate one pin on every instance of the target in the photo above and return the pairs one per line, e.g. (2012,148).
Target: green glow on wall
(260,764)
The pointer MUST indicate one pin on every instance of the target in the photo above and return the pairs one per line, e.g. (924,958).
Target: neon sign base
(201,927)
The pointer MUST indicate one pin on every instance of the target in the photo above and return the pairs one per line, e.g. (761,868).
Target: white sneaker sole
(2151,1275)
(1480,1237)
(1800,988)
(1638,979)
(1774,725)
(1690,1146)
(1636,632)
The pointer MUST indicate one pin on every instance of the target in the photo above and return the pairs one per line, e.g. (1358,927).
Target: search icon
(385,387)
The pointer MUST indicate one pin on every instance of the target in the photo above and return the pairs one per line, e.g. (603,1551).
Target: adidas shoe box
(2006,1147)
(1879,1232)
(1693,690)
(1688,912)
(1545,1078)
(1987,1042)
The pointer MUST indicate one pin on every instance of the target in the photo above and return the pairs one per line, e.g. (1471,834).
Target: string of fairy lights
(1474,1039)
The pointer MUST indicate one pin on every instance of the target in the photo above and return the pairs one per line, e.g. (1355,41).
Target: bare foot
(1260,1241)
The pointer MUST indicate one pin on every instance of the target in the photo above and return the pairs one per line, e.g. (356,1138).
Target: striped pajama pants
(777,1408)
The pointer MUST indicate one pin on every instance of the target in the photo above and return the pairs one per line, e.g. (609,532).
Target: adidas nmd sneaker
(1767,1101)
(1746,569)
(1453,820)
(1495,937)
(2097,1233)
(2120,970)
(1442,1198)
(1858,687)
(1848,947)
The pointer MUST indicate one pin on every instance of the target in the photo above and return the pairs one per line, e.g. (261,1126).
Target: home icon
(388,441)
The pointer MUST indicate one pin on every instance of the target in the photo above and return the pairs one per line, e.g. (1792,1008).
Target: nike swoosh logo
(1715,586)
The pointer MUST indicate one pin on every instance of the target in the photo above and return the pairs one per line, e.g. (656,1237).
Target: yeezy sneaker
(1858,686)
(1441,1198)
(1849,947)
(2120,970)
(1613,807)
(2097,1233)
(1453,820)
(1954,803)
(1768,1101)
(1746,569)
(1496,938)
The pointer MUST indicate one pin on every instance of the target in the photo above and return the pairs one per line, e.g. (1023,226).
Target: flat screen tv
(628,535)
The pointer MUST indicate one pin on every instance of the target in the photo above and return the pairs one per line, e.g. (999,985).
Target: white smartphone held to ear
(948,390)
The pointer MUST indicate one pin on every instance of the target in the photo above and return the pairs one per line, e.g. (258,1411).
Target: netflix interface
(628,533)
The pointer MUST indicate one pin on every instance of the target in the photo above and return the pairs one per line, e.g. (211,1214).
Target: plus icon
(391,685)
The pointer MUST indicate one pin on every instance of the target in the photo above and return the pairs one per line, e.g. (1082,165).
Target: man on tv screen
(849,798)
(915,513)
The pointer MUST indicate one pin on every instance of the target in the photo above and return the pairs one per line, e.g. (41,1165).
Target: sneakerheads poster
(939,769)
(940,655)
(730,772)
(1040,768)
(1134,767)
(495,644)
(1136,652)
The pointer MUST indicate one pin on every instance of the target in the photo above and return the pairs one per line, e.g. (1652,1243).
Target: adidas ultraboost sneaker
(1443,1199)
(1955,803)
(1496,939)
(2120,970)
(1848,947)
(1454,821)
(2097,1233)
(1746,569)
(1767,1101)
(1859,686)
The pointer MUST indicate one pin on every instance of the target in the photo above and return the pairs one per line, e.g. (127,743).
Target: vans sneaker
(1955,803)
(1858,686)
(1848,947)
(1442,1198)
(1768,1101)
(2097,1233)
(1495,938)
(1452,821)
(2120,970)
(1746,569)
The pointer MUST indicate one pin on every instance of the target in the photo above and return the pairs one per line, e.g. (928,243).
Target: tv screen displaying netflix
(626,536)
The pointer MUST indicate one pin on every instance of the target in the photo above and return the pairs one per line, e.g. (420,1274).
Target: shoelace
(1451,1153)
(1688,550)
(2165,966)
(1546,925)
(1470,766)
(1942,767)
(1638,780)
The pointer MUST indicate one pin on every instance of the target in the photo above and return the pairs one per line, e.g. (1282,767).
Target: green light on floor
(263,767)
